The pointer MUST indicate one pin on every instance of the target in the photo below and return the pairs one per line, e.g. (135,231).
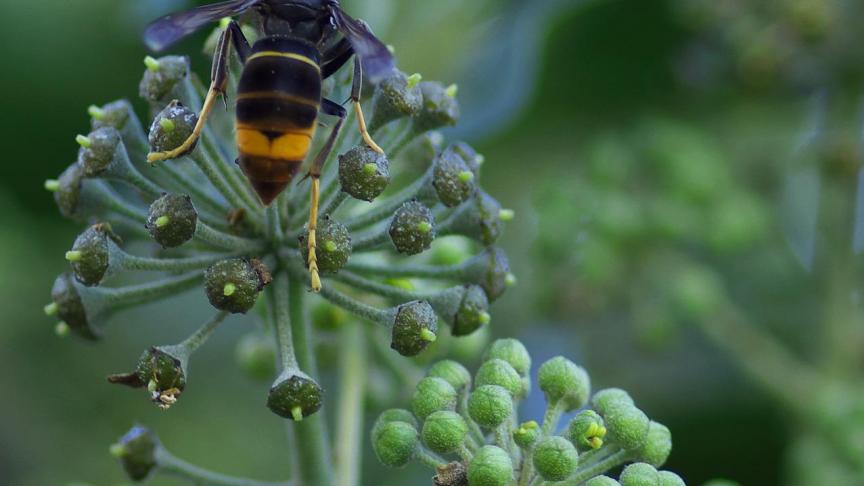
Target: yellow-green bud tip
(466,176)
(485,318)
(330,246)
(52,185)
(229,289)
(117,450)
(510,280)
(480,159)
(424,227)
(391,48)
(73,256)
(596,442)
(51,309)
(61,329)
(223,23)
(506,214)
(83,141)
(297,413)
(95,112)
(428,335)
(162,221)
(401,283)
(151,63)
(452,90)
(414,80)
(370,168)
(167,125)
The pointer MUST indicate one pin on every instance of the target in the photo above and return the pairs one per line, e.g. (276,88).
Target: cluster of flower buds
(466,428)
(157,230)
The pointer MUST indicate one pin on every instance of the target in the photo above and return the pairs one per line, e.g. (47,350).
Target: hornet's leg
(218,80)
(356,85)
(334,109)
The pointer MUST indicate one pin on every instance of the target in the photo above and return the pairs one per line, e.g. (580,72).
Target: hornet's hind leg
(218,80)
(330,108)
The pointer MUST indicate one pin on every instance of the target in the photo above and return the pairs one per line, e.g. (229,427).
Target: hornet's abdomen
(278,97)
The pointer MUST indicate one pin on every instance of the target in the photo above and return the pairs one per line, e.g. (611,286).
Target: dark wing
(171,28)
(376,58)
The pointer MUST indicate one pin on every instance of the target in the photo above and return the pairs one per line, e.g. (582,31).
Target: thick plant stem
(315,462)
(170,464)
(349,438)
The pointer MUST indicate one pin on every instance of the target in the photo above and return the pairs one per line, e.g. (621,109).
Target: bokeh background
(685,175)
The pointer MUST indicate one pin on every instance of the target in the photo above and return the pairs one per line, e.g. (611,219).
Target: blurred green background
(675,166)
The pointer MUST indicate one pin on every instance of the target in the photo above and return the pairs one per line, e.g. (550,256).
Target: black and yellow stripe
(278,97)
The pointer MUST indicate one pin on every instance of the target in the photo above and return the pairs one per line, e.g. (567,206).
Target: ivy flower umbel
(478,424)
(196,223)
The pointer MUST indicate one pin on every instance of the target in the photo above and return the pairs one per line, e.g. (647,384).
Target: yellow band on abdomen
(290,146)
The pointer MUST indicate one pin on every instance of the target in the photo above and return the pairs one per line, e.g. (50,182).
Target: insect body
(279,92)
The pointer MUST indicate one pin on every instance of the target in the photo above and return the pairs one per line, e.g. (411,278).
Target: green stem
(454,272)
(200,336)
(139,294)
(274,223)
(372,240)
(429,458)
(584,474)
(168,463)
(354,306)
(551,417)
(349,438)
(465,453)
(216,238)
(133,262)
(386,208)
(280,313)
(315,463)
(204,162)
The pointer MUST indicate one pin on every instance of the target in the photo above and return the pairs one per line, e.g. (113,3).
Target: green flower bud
(453,179)
(137,452)
(609,398)
(395,443)
(527,434)
(669,478)
(90,254)
(171,127)
(395,97)
(586,430)
(412,228)
(414,328)
(512,351)
(490,405)
(469,155)
(255,354)
(490,270)
(656,448)
(99,151)
(68,193)
(602,481)
(363,173)
(393,415)
(333,245)
(118,115)
(162,77)
(452,372)
(432,394)
(439,109)
(491,466)
(233,285)
(172,219)
(478,218)
(499,372)
(473,311)
(162,371)
(627,426)
(639,474)
(555,458)
(444,431)
(561,380)
(294,395)
(70,307)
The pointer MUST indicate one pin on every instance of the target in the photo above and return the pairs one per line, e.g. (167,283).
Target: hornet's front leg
(218,81)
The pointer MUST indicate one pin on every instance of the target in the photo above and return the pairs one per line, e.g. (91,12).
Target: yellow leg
(361,121)
(187,145)
(313,227)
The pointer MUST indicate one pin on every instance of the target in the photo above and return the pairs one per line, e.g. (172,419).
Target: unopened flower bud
(412,228)
(414,328)
(172,220)
(490,269)
(527,434)
(639,474)
(453,179)
(602,481)
(609,398)
(479,219)
(512,351)
(100,151)
(137,452)
(70,308)
(469,155)
(562,380)
(473,311)
(444,431)
(256,356)
(490,405)
(627,426)
(499,372)
(431,395)
(396,96)
(363,173)
(162,371)
(555,458)
(233,284)
(395,443)
(393,415)
(491,466)
(439,109)
(67,194)
(657,446)
(171,127)
(294,395)
(162,77)
(452,372)
(669,478)
(90,254)
(333,245)
(586,430)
